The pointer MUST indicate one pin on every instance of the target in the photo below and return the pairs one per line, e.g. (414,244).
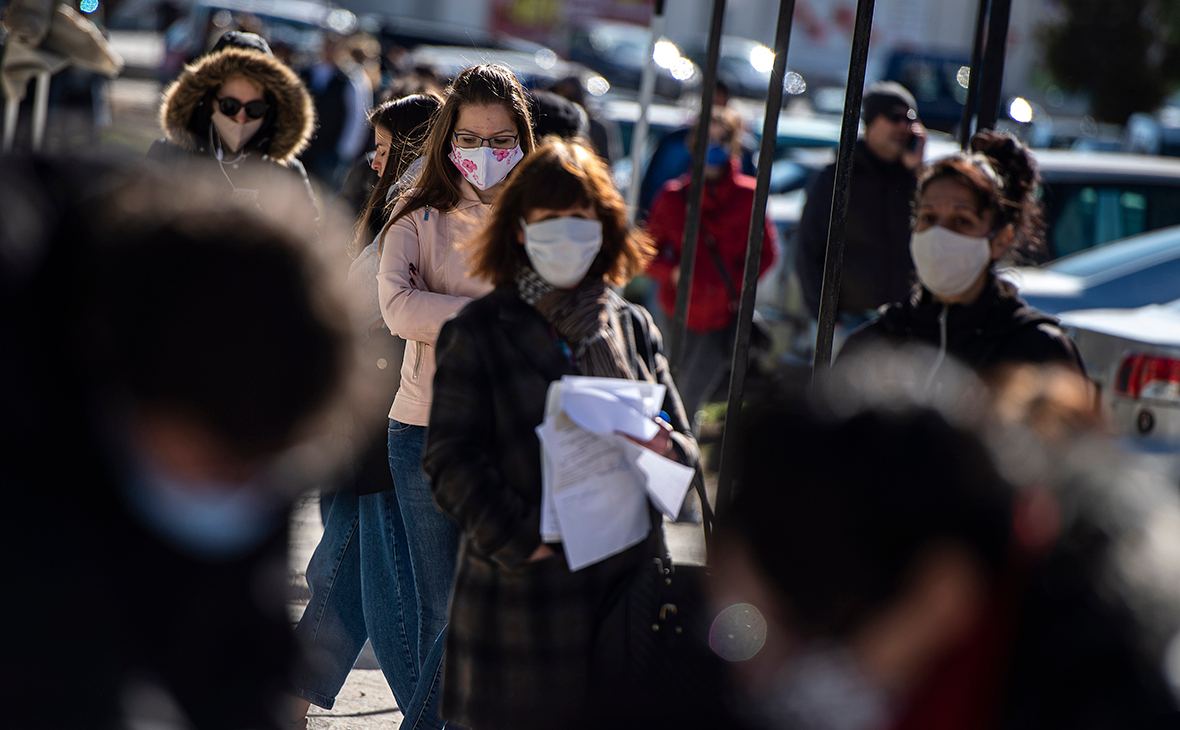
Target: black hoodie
(998,327)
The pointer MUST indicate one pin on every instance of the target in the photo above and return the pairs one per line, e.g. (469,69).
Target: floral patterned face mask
(484,167)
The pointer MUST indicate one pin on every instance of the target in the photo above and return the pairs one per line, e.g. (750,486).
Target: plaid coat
(519,638)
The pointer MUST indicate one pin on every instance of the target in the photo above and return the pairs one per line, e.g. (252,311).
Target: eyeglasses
(473,141)
(254,109)
(900,116)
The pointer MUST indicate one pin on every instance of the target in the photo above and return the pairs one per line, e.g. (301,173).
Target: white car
(1133,356)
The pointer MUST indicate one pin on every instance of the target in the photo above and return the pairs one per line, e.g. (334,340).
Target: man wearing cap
(877,266)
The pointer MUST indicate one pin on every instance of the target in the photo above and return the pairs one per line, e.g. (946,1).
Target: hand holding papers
(595,482)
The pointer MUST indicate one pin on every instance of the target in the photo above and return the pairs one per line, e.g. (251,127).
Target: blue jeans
(362,586)
(432,537)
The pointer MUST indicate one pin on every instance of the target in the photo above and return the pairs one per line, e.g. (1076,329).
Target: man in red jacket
(720,257)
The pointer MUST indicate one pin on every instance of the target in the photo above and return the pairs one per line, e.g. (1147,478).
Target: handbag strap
(719,264)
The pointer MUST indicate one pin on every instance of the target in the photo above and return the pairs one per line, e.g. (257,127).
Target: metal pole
(11,114)
(647,88)
(40,109)
(696,192)
(991,85)
(745,315)
(973,79)
(838,223)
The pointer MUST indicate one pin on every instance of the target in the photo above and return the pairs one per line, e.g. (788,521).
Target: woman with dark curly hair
(973,210)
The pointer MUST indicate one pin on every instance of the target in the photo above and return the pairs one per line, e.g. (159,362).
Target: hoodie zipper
(942,317)
(417,360)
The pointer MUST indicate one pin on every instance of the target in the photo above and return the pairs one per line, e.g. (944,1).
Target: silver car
(1132,272)
(1133,356)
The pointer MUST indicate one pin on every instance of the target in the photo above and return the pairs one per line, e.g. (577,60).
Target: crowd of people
(978,562)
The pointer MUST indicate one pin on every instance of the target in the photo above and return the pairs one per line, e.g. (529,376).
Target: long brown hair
(407,122)
(559,175)
(438,184)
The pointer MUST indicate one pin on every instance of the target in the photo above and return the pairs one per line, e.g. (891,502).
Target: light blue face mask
(208,519)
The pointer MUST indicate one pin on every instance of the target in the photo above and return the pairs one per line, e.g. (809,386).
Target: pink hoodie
(422,282)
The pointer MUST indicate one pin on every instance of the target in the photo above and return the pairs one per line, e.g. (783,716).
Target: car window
(1117,254)
(1085,216)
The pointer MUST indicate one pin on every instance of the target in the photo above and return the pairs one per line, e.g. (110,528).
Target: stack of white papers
(596,482)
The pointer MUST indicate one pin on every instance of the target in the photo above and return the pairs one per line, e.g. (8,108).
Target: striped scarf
(585,318)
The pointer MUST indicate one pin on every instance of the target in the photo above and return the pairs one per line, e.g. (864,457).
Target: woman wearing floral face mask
(477,136)
(972,211)
(521,623)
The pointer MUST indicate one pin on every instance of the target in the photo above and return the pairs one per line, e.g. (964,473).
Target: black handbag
(652,643)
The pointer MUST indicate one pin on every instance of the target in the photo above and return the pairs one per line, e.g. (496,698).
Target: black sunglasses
(254,109)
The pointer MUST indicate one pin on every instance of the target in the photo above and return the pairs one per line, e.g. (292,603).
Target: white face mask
(562,249)
(948,263)
(234,135)
(484,167)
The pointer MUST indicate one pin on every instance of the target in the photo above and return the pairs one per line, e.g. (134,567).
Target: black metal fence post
(838,223)
(754,244)
(973,79)
(696,193)
(992,81)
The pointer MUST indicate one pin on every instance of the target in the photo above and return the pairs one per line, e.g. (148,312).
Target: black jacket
(331,111)
(520,634)
(877,265)
(998,327)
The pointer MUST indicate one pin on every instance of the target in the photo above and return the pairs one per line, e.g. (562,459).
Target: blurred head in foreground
(168,347)
(866,565)
(880,568)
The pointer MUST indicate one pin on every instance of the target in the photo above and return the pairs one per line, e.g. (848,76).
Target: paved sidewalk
(366,702)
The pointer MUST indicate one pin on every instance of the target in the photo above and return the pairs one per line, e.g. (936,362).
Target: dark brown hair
(559,175)
(485,85)
(407,122)
(1003,177)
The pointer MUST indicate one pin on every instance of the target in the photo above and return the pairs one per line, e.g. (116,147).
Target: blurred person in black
(877,266)
(178,344)
(603,136)
(243,116)
(914,586)
(343,95)
(555,114)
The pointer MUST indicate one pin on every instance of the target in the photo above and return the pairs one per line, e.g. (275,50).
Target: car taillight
(1149,376)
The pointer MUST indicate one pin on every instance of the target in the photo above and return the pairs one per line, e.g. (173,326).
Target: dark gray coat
(518,643)
(877,265)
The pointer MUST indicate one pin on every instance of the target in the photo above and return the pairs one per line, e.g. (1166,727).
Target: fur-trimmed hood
(186,109)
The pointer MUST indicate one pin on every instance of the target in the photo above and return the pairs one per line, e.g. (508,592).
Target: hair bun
(1011,160)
